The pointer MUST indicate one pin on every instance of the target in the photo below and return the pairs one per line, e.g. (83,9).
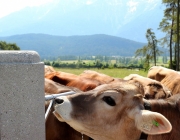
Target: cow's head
(110,112)
(155,90)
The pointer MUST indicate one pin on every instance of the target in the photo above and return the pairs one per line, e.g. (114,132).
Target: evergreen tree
(170,25)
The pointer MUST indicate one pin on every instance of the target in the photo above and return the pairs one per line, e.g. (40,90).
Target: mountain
(127,19)
(49,46)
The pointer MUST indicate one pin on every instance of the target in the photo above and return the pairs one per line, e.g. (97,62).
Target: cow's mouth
(58,116)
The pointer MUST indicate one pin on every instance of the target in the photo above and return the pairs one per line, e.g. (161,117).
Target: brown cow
(167,77)
(110,112)
(93,75)
(86,81)
(152,88)
(72,80)
(53,87)
(56,130)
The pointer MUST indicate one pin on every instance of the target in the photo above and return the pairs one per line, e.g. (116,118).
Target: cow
(56,130)
(52,87)
(110,112)
(48,69)
(152,89)
(93,75)
(167,77)
(170,108)
(73,80)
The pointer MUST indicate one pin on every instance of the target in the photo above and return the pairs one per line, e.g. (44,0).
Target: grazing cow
(93,75)
(167,77)
(72,80)
(56,130)
(152,88)
(110,112)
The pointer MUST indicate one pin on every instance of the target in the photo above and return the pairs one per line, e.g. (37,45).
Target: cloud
(89,2)
(132,6)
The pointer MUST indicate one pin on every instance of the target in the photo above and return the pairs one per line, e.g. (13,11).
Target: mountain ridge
(126,19)
(89,45)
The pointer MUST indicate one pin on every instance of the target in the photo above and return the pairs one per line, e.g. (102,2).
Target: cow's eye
(109,100)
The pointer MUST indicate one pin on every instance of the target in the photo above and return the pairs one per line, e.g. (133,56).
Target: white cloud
(89,2)
(132,6)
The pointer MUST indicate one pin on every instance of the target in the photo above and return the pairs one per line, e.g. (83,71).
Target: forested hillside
(88,45)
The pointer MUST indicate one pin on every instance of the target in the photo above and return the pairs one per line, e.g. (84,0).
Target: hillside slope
(53,46)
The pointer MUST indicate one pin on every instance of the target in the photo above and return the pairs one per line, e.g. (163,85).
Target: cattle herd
(108,108)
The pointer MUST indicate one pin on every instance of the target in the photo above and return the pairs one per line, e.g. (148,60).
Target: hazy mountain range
(49,46)
(127,19)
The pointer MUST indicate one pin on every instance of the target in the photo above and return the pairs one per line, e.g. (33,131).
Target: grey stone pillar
(21,96)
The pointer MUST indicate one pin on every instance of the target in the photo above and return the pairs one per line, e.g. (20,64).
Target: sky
(10,6)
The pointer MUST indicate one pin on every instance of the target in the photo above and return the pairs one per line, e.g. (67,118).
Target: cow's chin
(58,116)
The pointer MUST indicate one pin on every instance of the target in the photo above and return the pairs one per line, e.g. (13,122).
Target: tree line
(102,62)
(8,46)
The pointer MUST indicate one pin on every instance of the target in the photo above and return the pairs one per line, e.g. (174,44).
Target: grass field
(117,73)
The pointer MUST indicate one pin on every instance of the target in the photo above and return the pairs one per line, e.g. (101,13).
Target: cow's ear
(152,123)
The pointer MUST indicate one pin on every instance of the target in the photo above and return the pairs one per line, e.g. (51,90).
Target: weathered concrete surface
(21,96)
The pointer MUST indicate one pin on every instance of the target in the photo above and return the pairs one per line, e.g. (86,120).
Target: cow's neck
(165,107)
(128,134)
(170,109)
(123,132)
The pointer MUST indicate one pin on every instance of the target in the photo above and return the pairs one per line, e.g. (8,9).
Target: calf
(56,130)
(152,88)
(167,77)
(110,112)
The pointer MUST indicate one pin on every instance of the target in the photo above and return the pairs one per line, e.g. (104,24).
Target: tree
(171,16)
(8,46)
(177,68)
(152,44)
(166,41)
(149,51)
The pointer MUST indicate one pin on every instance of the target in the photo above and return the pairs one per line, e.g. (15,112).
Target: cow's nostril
(58,101)
(147,96)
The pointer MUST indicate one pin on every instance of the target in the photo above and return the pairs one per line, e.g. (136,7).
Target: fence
(21,96)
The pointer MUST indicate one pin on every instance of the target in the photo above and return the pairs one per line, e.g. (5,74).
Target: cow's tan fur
(169,78)
(152,89)
(91,115)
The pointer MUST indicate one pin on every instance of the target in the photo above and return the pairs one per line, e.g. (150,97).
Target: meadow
(113,72)
(117,73)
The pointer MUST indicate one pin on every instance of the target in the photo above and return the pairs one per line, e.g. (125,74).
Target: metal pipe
(53,96)
(49,109)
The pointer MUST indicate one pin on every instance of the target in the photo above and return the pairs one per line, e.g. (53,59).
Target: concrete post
(21,96)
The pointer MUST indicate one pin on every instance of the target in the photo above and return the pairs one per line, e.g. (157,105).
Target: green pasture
(117,73)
